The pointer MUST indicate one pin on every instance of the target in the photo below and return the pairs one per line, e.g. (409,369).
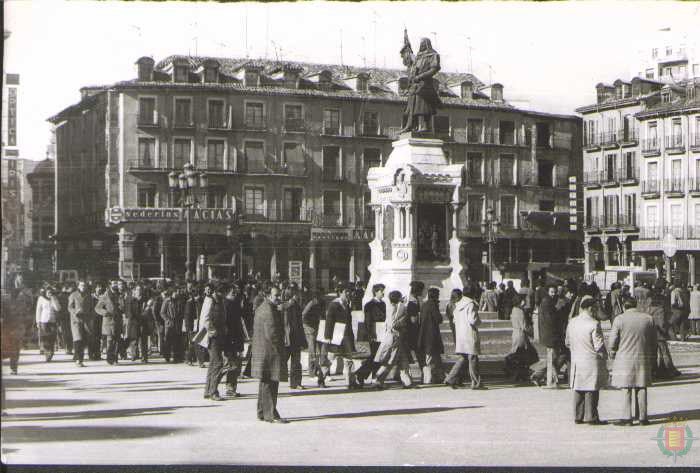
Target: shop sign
(329,235)
(117,215)
(295,272)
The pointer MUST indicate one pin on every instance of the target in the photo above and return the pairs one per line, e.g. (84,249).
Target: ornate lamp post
(490,227)
(185,184)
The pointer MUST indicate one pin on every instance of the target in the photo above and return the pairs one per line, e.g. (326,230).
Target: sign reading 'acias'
(117,215)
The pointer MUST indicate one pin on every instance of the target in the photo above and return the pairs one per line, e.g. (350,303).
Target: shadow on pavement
(13,434)
(394,412)
(22,403)
(102,414)
(26,383)
(76,372)
(693,414)
(164,388)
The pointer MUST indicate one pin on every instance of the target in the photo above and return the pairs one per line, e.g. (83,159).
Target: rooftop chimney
(467,89)
(291,76)
(497,92)
(144,69)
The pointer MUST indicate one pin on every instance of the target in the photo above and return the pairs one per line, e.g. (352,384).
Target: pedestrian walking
(633,349)
(394,350)
(216,340)
(311,317)
(467,343)
(549,336)
(47,308)
(522,354)
(80,309)
(588,372)
(338,311)
(430,339)
(375,312)
(694,316)
(108,307)
(294,338)
(268,359)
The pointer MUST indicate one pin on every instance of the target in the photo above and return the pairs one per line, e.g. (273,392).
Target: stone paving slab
(135,414)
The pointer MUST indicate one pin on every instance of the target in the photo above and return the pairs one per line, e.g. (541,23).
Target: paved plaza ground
(134,414)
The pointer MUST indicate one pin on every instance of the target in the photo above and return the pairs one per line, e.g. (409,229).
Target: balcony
(650,233)
(592,179)
(609,177)
(370,130)
(591,143)
(217,123)
(628,222)
(628,137)
(593,224)
(331,175)
(694,232)
(694,186)
(144,165)
(674,144)
(678,231)
(608,139)
(694,143)
(327,220)
(651,147)
(294,125)
(651,189)
(674,187)
(148,120)
(256,123)
(611,222)
(629,176)
(474,181)
(331,129)
(183,123)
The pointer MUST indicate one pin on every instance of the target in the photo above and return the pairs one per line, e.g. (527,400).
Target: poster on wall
(295,272)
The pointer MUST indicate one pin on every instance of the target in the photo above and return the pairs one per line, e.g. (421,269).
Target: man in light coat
(79,307)
(588,355)
(633,347)
(467,344)
(110,309)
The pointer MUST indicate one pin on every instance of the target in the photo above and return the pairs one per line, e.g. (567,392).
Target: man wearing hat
(588,355)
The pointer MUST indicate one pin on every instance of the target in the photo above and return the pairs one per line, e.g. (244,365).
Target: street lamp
(490,227)
(185,183)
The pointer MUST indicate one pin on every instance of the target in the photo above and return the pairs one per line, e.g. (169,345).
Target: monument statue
(423,100)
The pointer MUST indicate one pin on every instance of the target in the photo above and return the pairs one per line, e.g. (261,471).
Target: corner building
(286,147)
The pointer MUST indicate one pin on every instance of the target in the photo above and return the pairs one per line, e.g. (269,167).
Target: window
(652,171)
(332,208)
(147,152)
(216,196)
(546,205)
(255,201)
(254,115)
(676,220)
(183,112)
(652,136)
(441,125)
(666,96)
(182,152)
(293,118)
(293,158)
(362,84)
(145,196)
(630,165)
(292,205)
(254,156)
(649,74)
(543,135)
(475,130)
(653,220)
(370,123)
(506,130)
(676,183)
(369,212)
(630,209)
(211,74)
(676,133)
(506,167)
(217,116)
(331,163)
(610,167)
(507,216)
(182,73)
(372,158)
(612,209)
(696,70)
(697,219)
(215,154)
(545,177)
(331,122)
(655,52)
(669,50)
(147,111)
(474,168)
(475,209)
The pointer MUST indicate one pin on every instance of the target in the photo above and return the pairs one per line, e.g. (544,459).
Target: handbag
(338,333)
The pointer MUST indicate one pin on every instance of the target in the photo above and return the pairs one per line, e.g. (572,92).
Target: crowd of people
(258,329)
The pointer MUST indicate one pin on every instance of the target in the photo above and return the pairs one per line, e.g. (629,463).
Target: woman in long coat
(467,342)
(694,316)
(429,338)
(522,353)
(394,350)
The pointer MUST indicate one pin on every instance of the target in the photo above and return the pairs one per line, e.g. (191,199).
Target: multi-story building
(39,203)
(286,148)
(640,159)
(670,56)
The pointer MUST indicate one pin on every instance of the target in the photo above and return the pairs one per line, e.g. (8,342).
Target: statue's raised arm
(423,100)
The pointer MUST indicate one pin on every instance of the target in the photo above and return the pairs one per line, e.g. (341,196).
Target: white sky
(550,54)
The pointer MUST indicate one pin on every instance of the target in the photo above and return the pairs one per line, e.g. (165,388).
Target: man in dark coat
(216,340)
(375,311)
(294,339)
(234,340)
(429,338)
(269,358)
(80,309)
(109,308)
(311,317)
(549,332)
(413,308)
(338,311)
(95,338)
(192,307)
(171,314)
(63,320)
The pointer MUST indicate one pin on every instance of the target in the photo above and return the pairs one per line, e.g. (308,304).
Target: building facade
(39,203)
(670,56)
(641,162)
(286,148)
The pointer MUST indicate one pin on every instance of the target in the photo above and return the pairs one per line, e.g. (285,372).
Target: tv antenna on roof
(341,46)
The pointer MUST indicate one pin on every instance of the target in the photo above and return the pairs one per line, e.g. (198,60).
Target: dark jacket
(337,311)
(429,339)
(375,311)
(294,338)
(133,309)
(171,312)
(191,312)
(548,323)
(108,307)
(216,322)
(233,317)
(269,358)
(413,313)
(312,314)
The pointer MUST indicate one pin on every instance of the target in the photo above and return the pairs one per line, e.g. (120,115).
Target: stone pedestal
(416,197)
